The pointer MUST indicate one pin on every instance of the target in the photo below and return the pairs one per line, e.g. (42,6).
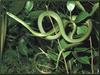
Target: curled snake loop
(50,35)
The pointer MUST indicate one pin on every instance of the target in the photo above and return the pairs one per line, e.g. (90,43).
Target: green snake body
(50,35)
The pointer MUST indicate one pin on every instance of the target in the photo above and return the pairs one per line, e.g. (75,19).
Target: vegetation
(28,43)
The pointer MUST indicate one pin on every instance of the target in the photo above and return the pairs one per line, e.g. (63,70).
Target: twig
(66,67)
(92,70)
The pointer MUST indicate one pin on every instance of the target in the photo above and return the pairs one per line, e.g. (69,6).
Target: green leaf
(53,55)
(66,53)
(79,5)
(3,29)
(82,30)
(95,53)
(29,6)
(35,14)
(16,6)
(84,59)
(82,16)
(94,8)
(80,49)
(70,5)
(74,17)
(22,48)
(63,43)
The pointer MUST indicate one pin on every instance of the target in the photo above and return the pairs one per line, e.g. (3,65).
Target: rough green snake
(50,35)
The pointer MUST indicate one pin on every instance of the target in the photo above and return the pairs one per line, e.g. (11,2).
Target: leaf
(52,55)
(22,48)
(82,16)
(70,5)
(63,43)
(35,14)
(16,6)
(79,5)
(94,8)
(84,59)
(74,17)
(66,53)
(80,49)
(82,30)
(29,6)
(3,29)
(95,53)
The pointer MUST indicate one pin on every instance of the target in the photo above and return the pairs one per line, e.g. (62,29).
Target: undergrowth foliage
(21,51)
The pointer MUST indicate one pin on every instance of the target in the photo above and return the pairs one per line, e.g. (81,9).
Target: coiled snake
(48,35)
(60,31)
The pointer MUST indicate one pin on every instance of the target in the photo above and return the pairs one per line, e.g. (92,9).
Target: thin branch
(92,70)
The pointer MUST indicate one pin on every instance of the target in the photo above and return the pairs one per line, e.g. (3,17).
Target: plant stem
(92,70)
(70,66)
(61,50)
(18,55)
(70,16)
(66,67)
